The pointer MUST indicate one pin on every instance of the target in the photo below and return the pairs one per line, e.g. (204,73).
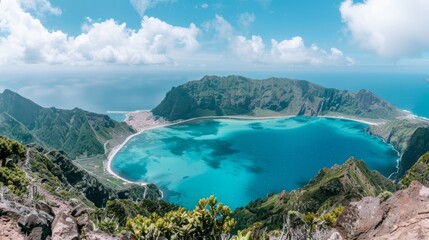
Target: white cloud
(40,7)
(26,40)
(142,5)
(205,5)
(245,20)
(288,52)
(390,28)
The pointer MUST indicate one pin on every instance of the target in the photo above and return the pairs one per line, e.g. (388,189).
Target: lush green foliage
(419,172)
(77,132)
(209,219)
(10,149)
(331,188)
(14,178)
(331,218)
(114,216)
(11,175)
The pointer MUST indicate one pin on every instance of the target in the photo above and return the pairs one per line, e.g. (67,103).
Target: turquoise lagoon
(241,160)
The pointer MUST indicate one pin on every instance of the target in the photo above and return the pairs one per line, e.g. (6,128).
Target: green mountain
(418,172)
(330,189)
(236,95)
(409,136)
(76,132)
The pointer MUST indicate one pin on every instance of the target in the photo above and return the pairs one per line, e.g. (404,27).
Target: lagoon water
(241,160)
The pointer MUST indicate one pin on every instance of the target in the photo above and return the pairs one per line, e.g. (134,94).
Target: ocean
(241,160)
(130,90)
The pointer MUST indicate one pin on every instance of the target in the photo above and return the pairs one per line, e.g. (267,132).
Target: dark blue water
(241,160)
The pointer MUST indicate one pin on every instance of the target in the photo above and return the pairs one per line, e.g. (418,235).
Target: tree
(10,148)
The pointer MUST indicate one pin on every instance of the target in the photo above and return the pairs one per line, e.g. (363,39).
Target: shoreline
(161,124)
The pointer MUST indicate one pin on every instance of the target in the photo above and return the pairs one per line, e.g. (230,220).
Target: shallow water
(242,160)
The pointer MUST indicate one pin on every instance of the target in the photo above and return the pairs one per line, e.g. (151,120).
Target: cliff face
(371,218)
(236,95)
(331,188)
(77,132)
(92,188)
(418,172)
(409,136)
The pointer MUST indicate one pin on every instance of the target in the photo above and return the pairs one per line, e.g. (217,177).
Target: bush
(14,178)
(209,218)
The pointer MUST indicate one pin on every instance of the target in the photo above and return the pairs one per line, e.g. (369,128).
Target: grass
(95,167)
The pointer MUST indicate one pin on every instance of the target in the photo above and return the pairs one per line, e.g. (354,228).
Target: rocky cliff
(43,194)
(331,188)
(236,95)
(405,215)
(409,136)
(76,132)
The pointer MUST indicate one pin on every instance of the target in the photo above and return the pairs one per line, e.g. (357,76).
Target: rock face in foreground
(405,215)
(236,95)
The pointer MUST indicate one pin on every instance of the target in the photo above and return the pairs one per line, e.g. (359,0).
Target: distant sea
(242,160)
(406,91)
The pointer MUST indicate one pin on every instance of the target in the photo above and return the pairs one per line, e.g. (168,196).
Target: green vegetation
(10,174)
(14,179)
(331,188)
(236,95)
(77,132)
(10,150)
(209,220)
(122,209)
(419,172)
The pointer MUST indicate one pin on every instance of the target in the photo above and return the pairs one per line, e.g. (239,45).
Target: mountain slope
(236,95)
(331,188)
(77,132)
(409,136)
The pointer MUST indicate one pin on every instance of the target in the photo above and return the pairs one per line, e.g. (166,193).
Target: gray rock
(65,228)
(405,215)
(36,224)
(360,217)
(45,207)
(79,210)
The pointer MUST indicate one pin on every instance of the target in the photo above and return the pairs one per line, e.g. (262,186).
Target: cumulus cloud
(25,40)
(390,28)
(288,51)
(245,20)
(142,5)
(40,7)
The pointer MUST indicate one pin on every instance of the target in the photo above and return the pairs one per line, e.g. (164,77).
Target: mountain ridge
(237,95)
(77,132)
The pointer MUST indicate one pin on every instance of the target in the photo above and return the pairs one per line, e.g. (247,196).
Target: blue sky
(91,53)
(213,35)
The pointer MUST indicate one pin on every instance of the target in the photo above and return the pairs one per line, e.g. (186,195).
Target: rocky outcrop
(236,95)
(34,224)
(405,215)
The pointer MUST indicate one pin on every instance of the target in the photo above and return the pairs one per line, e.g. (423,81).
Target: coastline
(160,123)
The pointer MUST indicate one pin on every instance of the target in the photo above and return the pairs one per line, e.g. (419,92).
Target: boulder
(405,215)
(79,210)
(45,207)
(360,217)
(65,228)
(37,225)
